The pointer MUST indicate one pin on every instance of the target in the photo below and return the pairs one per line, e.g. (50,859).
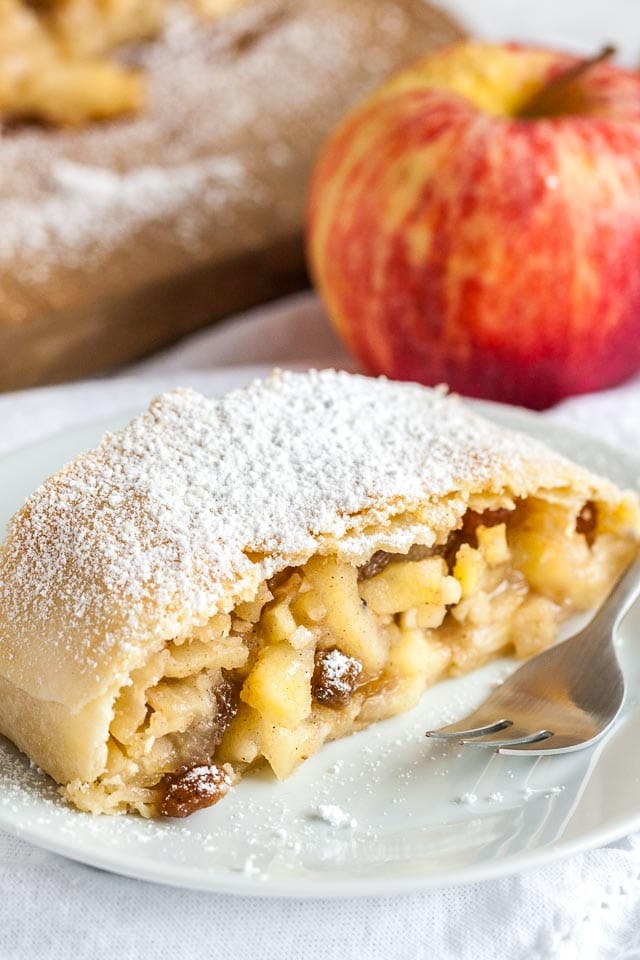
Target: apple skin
(453,241)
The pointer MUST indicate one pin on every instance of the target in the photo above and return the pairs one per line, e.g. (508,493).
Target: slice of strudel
(230,581)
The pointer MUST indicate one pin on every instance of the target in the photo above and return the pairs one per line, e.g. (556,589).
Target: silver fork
(562,699)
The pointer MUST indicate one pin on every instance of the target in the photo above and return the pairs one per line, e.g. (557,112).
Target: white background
(581,25)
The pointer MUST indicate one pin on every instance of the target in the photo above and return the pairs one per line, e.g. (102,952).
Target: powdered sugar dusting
(334,815)
(338,674)
(467,798)
(198,500)
(206,780)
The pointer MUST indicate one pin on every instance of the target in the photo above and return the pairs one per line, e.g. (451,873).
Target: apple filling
(327,648)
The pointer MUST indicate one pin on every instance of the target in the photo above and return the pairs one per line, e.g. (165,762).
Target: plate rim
(322,888)
(318,886)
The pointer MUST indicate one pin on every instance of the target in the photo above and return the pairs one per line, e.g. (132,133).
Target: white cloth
(587,907)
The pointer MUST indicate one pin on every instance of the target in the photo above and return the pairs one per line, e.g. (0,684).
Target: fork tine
(559,743)
(455,730)
(497,742)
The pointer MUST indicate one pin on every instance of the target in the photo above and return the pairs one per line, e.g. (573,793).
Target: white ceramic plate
(416,814)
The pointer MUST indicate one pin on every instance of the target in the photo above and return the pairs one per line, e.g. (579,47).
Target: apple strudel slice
(237,580)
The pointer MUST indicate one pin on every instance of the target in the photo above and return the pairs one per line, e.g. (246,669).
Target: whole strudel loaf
(118,237)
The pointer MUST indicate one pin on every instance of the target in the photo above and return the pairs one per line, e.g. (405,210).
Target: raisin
(587,521)
(421,552)
(374,564)
(335,677)
(468,531)
(381,559)
(278,579)
(227,695)
(488,518)
(193,788)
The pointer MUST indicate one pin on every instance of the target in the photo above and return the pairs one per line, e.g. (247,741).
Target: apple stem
(552,98)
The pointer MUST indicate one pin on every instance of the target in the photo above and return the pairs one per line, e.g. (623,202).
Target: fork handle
(619,601)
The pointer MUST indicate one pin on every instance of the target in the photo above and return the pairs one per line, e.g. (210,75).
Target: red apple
(477,222)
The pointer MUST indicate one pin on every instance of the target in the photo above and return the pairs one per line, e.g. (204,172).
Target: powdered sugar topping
(206,780)
(334,815)
(338,670)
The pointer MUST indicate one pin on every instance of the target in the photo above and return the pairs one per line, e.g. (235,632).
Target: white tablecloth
(587,908)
